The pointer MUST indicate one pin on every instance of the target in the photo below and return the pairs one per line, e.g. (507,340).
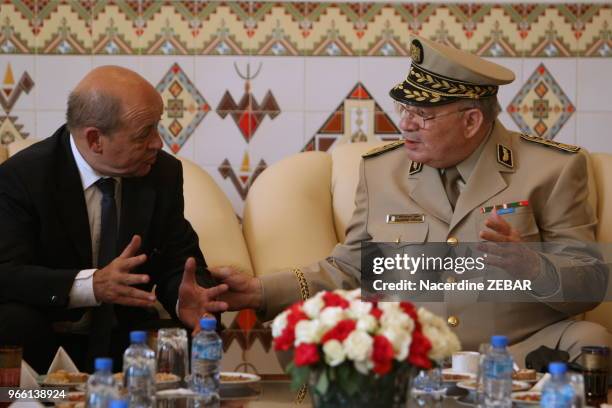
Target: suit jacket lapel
(486,179)
(137,204)
(427,190)
(69,200)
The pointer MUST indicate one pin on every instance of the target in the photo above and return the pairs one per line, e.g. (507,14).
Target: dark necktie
(450,179)
(103,316)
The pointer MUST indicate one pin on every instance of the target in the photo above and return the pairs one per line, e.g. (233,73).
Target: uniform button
(452,241)
(53,299)
(453,321)
(451,279)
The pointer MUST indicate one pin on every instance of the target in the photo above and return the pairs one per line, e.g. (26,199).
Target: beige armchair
(298,209)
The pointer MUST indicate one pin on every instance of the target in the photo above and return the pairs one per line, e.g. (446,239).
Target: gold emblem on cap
(415,167)
(416,51)
(504,156)
(561,146)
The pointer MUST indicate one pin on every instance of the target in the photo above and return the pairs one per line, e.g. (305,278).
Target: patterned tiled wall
(248,83)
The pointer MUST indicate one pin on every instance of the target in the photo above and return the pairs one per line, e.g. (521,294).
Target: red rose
(333,299)
(295,315)
(382,355)
(409,309)
(376,312)
(340,331)
(306,354)
(419,347)
(285,340)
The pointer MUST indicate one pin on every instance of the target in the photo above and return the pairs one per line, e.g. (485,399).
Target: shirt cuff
(82,293)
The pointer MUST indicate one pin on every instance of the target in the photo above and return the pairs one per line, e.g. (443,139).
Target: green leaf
(323,382)
(299,376)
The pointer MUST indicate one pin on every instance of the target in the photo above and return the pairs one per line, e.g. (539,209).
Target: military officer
(455,160)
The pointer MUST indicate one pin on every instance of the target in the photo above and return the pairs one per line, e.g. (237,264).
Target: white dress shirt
(82,293)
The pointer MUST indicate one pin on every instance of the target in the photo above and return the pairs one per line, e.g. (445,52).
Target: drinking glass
(172,352)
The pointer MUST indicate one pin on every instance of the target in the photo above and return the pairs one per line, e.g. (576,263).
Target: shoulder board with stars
(383,149)
(504,156)
(561,146)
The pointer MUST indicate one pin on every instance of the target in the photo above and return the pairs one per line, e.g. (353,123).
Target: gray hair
(93,108)
(489,107)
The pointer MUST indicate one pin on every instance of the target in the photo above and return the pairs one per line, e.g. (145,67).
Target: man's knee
(584,333)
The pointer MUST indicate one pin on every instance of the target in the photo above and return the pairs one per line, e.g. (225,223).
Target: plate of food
(527,375)
(450,376)
(238,378)
(526,397)
(516,385)
(73,400)
(63,378)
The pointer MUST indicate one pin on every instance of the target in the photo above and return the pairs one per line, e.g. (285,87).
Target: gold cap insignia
(416,51)
(415,167)
(558,145)
(382,149)
(504,156)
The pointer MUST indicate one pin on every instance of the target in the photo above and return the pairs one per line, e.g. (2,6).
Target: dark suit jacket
(44,230)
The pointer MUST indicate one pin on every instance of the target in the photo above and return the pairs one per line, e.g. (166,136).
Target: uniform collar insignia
(415,167)
(504,156)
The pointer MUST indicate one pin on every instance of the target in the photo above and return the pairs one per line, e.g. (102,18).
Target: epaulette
(561,146)
(382,149)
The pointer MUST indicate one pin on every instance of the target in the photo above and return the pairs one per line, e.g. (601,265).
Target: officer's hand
(517,259)
(245,291)
(196,301)
(112,284)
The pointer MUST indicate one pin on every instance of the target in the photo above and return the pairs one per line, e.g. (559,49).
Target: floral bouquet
(360,353)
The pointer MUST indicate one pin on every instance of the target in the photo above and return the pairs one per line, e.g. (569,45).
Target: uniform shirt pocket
(522,219)
(402,233)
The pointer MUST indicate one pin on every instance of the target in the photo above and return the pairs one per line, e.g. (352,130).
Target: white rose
(367,323)
(358,309)
(358,345)
(354,294)
(389,307)
(400,340)
(279,324)
(312,307)
(363,367)
(398,319)
(330,316)
(334,353)
(308,331)
(443,341)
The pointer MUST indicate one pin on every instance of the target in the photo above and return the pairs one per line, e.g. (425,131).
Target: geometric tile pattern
(358,118)
(248,113)
(136,27)
(10,130)
(541,107)
(184,108)
(243,178)
(11,91)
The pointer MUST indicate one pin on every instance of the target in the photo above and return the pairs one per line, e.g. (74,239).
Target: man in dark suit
(90,219)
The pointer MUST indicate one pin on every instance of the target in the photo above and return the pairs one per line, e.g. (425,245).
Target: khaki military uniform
(506,168)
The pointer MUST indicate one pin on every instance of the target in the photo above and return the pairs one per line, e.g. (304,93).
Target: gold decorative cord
(305,293)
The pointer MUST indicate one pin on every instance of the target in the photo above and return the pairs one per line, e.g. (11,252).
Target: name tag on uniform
(405,218)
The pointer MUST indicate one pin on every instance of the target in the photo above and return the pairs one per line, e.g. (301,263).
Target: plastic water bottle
(206,352)
(557,392)
(139,372)
(497,379)
(101,386)
(118,403)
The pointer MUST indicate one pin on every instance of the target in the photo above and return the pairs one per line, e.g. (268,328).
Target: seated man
(92,218)
(456,158)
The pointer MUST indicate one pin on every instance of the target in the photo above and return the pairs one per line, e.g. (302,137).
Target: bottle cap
(557,367)
(499,341)
(138,337)
(208,323)
(103,364)
(118,404)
